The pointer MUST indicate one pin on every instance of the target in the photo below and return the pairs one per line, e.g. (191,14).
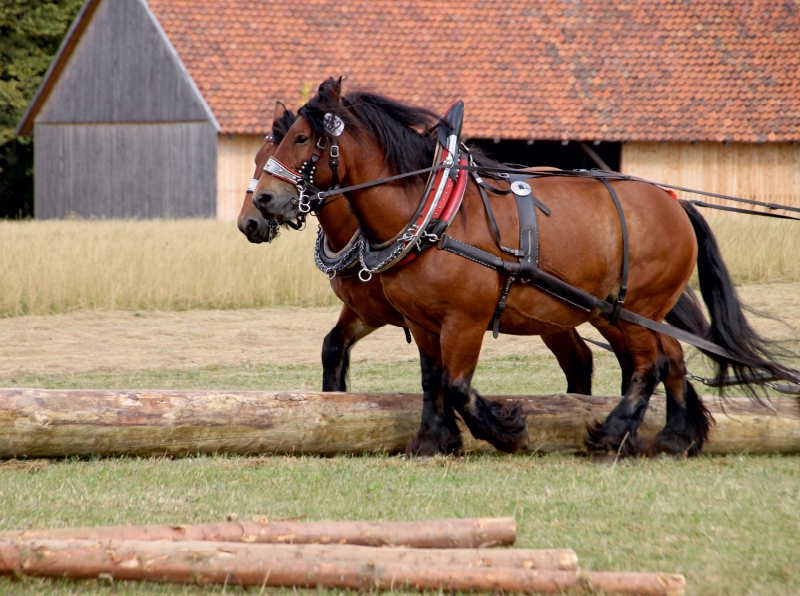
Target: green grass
(515,374)
(731,525)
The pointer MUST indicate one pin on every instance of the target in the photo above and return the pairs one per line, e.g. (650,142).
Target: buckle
(334,150)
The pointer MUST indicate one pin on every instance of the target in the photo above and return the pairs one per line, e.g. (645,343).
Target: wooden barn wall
(123,70)
(120,170)
(768,172)
(235,167)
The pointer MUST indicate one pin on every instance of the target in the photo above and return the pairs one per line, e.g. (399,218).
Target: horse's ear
(333,88)
(280,110)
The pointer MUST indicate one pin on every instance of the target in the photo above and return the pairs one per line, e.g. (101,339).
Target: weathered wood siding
(768,172)
(235,167)
(125,132)
(124,70)
(114,170)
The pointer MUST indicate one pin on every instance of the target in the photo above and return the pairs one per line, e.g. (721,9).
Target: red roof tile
(638,70)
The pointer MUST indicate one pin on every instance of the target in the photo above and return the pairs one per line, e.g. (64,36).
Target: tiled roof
(672,70)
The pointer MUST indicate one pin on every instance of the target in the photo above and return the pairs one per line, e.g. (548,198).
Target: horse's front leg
(502,425)
(438,431)
(336,346)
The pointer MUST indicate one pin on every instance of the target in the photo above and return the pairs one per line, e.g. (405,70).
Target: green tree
(30,33)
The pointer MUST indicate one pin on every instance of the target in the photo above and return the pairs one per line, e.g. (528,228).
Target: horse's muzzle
(258,230)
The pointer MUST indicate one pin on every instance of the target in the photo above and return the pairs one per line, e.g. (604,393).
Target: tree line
(30,34)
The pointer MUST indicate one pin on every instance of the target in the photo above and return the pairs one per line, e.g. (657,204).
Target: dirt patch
(119,341)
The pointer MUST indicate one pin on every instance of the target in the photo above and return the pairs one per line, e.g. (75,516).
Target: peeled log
(247,566)
(558,559)
(467,533)
(52,423)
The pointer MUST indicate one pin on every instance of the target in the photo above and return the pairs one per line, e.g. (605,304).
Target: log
(522,558)
(467,533)
(137,560)
(52,423)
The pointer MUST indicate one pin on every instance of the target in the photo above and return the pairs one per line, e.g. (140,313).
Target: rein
(594,174)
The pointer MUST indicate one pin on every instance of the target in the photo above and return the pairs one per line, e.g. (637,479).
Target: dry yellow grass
(758,249)
(62,266)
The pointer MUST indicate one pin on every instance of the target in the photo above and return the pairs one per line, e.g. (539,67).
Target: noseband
(310,197)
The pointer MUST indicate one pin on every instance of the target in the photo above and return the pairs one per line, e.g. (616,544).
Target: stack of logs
(447,555)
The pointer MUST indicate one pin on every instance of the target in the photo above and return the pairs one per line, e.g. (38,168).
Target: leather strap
(623,288)
(528,228)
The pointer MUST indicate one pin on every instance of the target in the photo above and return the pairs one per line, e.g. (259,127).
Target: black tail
(687,314)
(729,327)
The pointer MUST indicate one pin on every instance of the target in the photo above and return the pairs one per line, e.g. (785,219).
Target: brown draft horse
(365,307)
(448,301)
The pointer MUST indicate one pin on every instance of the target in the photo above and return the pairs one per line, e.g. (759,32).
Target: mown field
(140,304)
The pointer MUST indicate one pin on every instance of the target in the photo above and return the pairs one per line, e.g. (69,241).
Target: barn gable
(121,129)
(122,68)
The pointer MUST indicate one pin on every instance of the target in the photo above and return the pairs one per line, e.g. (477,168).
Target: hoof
(439,441)
(679,445)
(599,440)
(501,425)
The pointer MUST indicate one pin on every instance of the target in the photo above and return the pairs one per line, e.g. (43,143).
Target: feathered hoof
(599,440)
(441,441)
(501,425)
(679,445)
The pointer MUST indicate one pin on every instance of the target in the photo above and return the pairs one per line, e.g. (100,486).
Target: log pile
(52,423)
(321,555)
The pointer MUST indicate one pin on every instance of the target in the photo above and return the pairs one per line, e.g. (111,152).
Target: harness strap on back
(528,252)
(623,289)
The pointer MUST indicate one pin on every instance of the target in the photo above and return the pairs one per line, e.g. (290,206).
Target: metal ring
(361,275)
(330,274)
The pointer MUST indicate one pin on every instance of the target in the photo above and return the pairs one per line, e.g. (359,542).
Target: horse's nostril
(251,225)
(263,198)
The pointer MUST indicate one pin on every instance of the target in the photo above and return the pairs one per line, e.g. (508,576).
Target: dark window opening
(551,153)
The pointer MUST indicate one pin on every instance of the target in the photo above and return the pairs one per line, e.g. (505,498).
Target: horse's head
(252,223)
(301,165)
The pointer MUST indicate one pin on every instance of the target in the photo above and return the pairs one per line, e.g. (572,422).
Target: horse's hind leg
(336,346)
(502,425)
(438,431)
(688,420)
(618,433)
(616,340)
(574,357)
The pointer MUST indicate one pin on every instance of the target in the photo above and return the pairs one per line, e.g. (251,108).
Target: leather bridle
(310,198)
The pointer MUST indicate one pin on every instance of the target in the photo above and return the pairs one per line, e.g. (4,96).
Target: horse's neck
(385,211)
(338,223)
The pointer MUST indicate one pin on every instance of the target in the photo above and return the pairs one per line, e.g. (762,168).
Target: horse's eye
(301,139)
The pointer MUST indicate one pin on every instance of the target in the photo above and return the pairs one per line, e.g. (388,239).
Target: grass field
(63,266)
(731,525)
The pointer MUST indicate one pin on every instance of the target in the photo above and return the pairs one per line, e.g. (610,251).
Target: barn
(155,109)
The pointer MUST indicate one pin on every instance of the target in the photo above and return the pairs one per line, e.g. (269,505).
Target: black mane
(282,125)
(394,125)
